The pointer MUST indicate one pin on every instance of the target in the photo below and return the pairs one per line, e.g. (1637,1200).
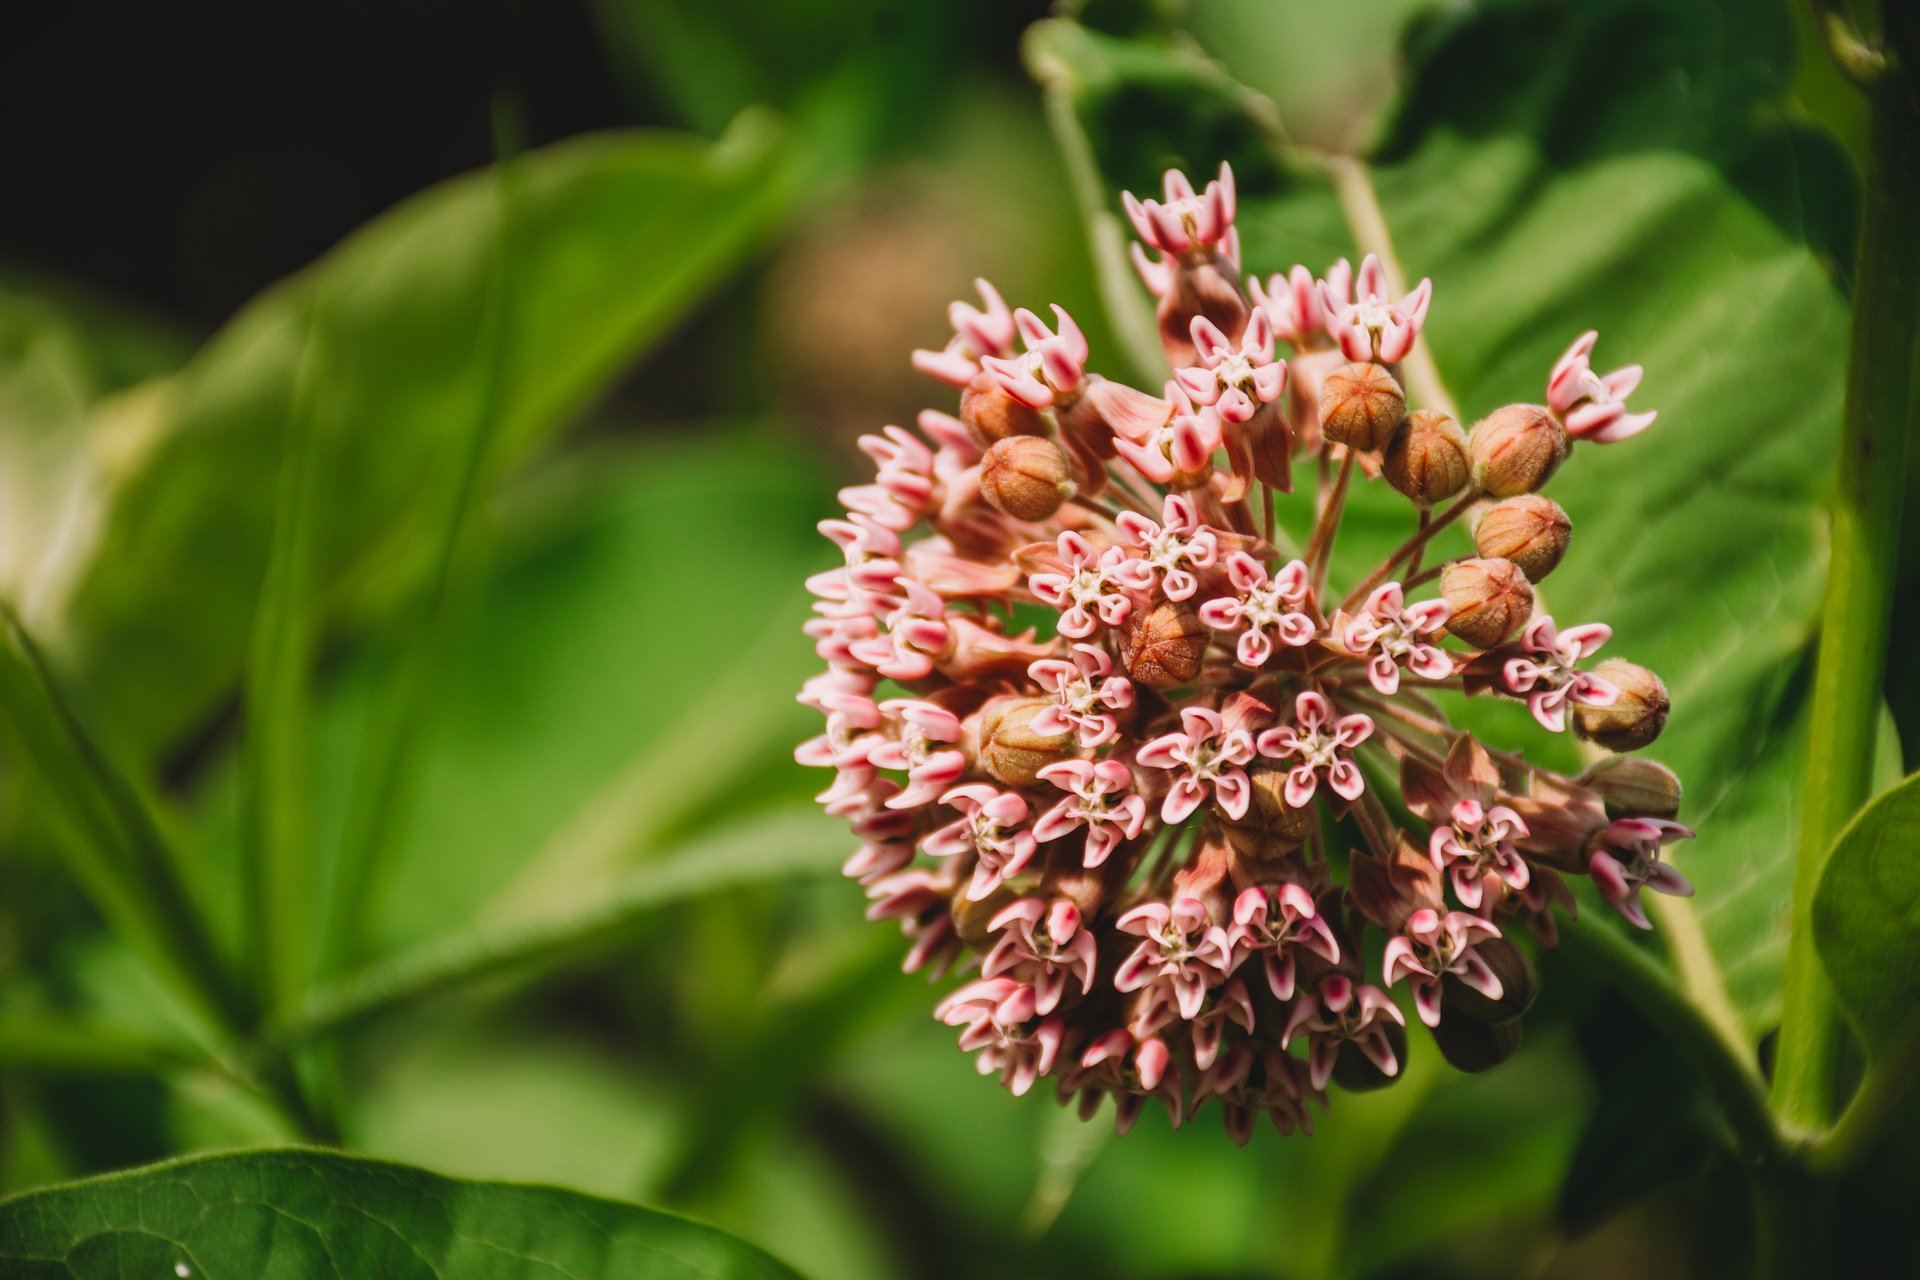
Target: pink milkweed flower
(1277,1088)
(1480,843)
(852,719)
(1365,324)
(916,635)
(902,491)
(1549,676)
(1180,449)
(1628,859)
(921,901)
(1041,946)
(1228,1003)
(991,827)
(1185,222)
(1391,634)
(1084,589)
(1272,922)
(1594,407)
(1234,383)
(995,1013)
(1101,799)
(872,554)
(1211,760)
(1169,550)
(1182,951)
(1053,365)
(977,332)
(1268,608)
(922,728)
(1316,740)
(1344,1012)
(1433,945)
(1132,1070)
(1292,306)
(1080,689)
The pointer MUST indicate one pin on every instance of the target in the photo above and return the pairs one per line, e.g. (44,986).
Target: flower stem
(1429,525)
(1879,414)
(1320,546)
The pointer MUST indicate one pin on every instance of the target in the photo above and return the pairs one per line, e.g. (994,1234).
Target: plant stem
(1879,415)
(1430,525)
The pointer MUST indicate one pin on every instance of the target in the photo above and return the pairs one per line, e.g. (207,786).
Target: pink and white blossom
(1167,552)
(1234,383)
(1184,221)
(1053,365)
(1293,307)
(1043,946)
(1084,587)
(1366,323)
(977,332)
(1478,843)
(1179,448)
(1086,694)
(1275,922)
(995,1013)
(1341,1012)
(1100,798)
(1628,860)
(1318,744)
(1132,1070)
(1592,406)
(1434,945)
(1548,672)
(924,744)
(1181,951)
(1208,759)
(1266,610)
(1390,634)
(992,827)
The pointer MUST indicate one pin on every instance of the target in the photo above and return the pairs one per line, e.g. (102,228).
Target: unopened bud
(1360,405)
(1025,477)
(1518,983)
(1489,600)
(1208,287)
(1475,1046)
(1272,827)
(1163,646)
(1515,449)
(991,414)
(1635,788)
(1529,530)
(1426,458)
(1635,718)
(1010,749)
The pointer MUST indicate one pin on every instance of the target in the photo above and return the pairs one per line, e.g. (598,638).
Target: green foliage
(1866,916)
(315,1214)
(1648,194)
(620,233)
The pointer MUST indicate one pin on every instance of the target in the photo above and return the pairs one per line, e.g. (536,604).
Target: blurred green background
(559,432)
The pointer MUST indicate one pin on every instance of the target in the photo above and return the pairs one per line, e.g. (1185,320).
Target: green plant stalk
(1879,416)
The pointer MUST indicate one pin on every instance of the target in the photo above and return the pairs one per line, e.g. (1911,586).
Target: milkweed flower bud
(1638,788)
(1634,718)
(1025,477)
(1019,737)
(1124,816)
(1360,405)
(1426,458)
(1487,600)
(1529,530)
(1516,449)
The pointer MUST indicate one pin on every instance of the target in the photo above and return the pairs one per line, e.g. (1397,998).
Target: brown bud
(1490,600)
(1476,1046)
(1636,716)
(1355,1072)
(1529,530)
(1009,748)
(1426,458)
(1515,449)
(1360,405)
(1636,788)
(1163,646)
(991,414)
(1025,477)
(971,918)
(1518,984)
(1272,827)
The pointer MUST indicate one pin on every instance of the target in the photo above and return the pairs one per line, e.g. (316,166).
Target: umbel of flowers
(1186,838)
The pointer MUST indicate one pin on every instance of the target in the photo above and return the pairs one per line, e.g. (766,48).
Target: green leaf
(778,846)
(317,1214)
(1866,916)
(1655,195)
(620,232)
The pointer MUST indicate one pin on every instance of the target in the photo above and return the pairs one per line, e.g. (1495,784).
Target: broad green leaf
(1866,915)
(314,1214)
(1653,194)
(621,231)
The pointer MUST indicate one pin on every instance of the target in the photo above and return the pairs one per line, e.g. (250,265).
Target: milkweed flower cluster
(1188,838)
